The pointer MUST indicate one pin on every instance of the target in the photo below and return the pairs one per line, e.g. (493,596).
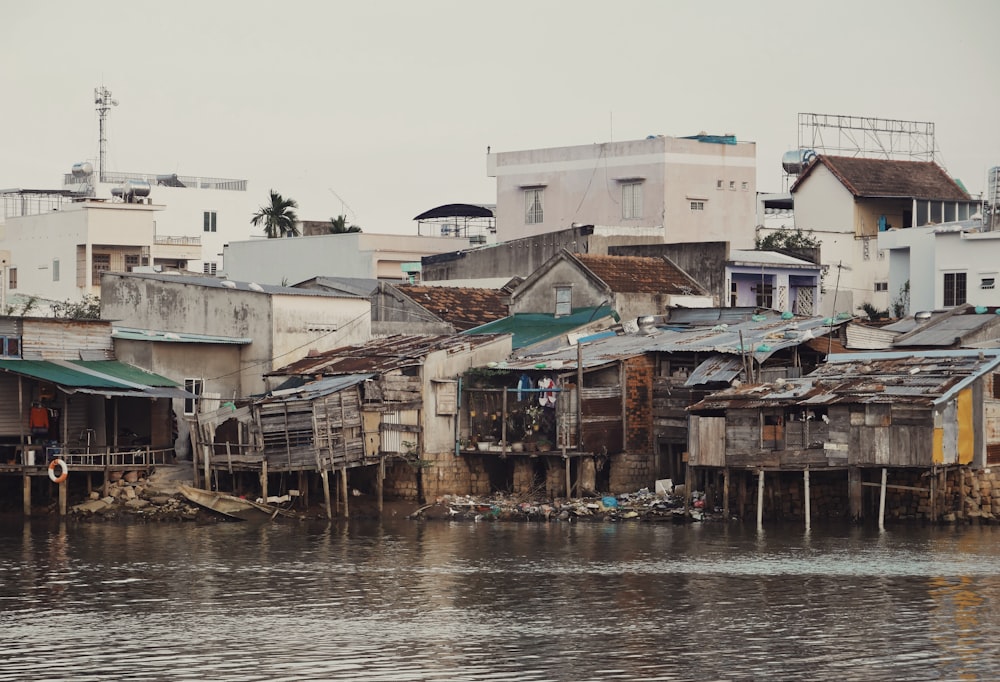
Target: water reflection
(497,601)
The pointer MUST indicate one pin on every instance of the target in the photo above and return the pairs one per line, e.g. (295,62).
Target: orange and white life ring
(63,468)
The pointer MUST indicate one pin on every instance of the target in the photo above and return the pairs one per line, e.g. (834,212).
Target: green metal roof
(531,328)
(90,374)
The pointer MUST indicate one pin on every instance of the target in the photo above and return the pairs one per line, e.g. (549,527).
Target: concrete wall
(540,295)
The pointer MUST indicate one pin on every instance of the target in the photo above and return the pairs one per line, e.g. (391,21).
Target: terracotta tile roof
(464,307)
(636,274)
(887,178)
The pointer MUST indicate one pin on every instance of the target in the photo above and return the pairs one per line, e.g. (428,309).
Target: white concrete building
(944,266)
(848,202)
(355,254)
(670,189)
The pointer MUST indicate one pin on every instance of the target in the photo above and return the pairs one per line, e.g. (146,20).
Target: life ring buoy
(62,466)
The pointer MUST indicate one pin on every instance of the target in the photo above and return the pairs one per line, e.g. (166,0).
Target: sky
(381,110)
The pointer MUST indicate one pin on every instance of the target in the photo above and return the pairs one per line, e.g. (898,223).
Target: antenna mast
(102,98)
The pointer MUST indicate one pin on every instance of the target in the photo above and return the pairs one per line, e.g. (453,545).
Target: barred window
(533,214)
(954,289)
(631,200)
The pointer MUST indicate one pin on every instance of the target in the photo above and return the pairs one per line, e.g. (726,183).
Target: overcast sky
(381,110)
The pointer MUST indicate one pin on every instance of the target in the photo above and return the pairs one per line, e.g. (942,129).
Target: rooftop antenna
(343,206)
(103,100)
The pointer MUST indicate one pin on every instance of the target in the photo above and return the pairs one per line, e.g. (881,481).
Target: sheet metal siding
(950,434)
(66,339)
(965,438)
(10,326)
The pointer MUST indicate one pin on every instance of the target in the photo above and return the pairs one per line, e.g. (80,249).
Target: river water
(440,600)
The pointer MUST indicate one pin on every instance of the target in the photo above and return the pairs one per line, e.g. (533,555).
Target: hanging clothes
(547,398)
(523,384)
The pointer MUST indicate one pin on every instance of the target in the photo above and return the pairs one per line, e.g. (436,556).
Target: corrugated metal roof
(318,388)
(949,330)
(381,355)
(130,334)
(773,258)
(926,379)
(531,328)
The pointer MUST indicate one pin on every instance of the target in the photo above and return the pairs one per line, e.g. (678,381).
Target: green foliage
(339,225)
(87,309)
(786,239)
(278,217)
(901,304)
(873,313)
(26,307)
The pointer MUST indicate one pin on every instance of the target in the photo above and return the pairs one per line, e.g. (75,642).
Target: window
(881,286)
(55,269)
(209,221)
(745,186)
(564,300)
(209,267)
(195,386)
(131,261)
(10,346)
(533,206)
(765,295)
(954,289)
(718,184)
(733,294)
(101,263)
(631,200)
(732,185)
(697,205)
(12,274)
(988,283)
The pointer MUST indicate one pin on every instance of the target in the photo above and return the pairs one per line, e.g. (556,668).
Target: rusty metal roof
(926,378)
(381,355)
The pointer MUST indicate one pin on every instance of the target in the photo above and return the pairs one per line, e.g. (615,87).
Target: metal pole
(881,501)
(760,500)
(805,481)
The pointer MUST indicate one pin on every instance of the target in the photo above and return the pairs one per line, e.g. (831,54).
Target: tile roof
(463,307)
(889,178)
(636,274)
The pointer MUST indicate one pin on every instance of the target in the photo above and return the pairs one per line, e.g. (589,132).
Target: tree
(87,309)
(278,217)
(339,225)
(786,239)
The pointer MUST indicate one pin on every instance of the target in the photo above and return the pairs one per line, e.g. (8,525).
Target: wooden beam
(760,500)
(27,495)
(895,487)
(881,502)
(808,507)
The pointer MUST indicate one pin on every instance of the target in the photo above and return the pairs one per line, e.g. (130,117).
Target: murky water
(496,601)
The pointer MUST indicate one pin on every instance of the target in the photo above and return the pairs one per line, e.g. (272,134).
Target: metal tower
(102,98)
(866,136)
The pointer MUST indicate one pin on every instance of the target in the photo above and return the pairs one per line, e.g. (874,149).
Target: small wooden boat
(232,506)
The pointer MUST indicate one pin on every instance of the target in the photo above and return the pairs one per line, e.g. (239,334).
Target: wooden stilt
(688,484)
(343,489)
(569,486)
(854,493)
(760,500)
(380,484)
(263,479)
(881,501)
(63,494)
(741,496)
(725,493)
(325,475)
(805,485)
(27,495)
(933,494)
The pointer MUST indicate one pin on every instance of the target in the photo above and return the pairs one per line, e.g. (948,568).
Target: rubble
(641,505)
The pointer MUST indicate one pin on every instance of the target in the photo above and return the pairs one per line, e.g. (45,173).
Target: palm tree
(338,225)
(278,218)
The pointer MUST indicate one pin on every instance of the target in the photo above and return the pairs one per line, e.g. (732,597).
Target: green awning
(104,377)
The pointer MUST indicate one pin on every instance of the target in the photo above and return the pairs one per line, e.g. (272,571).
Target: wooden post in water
(808,503)
(854,493)
(263,479)
(725,493)
(343,488)
(881,501)
(380,484)
(933,499)
(63,495)
(688,485)
(569,485)
(27,495)
(760,499)
(325,475)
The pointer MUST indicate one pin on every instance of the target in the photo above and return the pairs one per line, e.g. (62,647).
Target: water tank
(83,169)
(135,189)
(794,162)
(993,186)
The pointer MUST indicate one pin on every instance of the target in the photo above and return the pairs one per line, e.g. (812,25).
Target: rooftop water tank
(82,169)
(135,189)
(794,162)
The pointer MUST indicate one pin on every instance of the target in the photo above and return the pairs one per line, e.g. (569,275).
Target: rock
(136,503)
(131,476)
(91,506)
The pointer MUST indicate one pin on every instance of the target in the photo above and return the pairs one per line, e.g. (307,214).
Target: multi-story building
(666,189)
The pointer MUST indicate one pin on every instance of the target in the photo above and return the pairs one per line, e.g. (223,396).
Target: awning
(100,377)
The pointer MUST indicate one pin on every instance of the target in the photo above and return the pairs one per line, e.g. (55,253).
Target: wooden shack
(860,419)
